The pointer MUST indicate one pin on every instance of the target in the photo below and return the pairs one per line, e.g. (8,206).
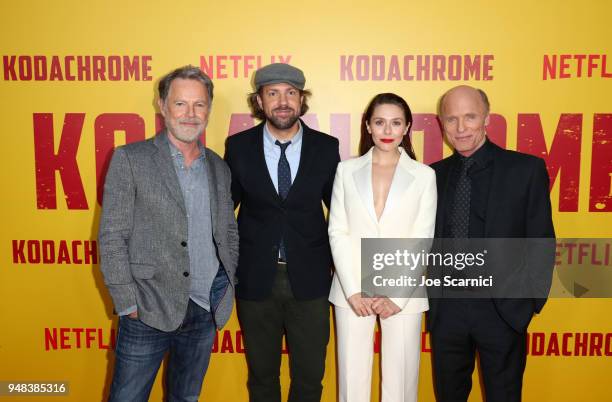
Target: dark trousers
(306,326)
(464,327)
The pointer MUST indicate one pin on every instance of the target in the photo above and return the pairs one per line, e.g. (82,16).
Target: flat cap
(279,72)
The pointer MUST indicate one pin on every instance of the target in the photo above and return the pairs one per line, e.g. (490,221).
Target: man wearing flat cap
(281,171)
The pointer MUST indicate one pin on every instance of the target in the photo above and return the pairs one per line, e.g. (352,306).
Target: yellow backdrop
(78,78)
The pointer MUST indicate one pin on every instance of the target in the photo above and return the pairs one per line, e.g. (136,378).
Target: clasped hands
(381,306)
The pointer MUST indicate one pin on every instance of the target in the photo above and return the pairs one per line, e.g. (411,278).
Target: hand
(134,315)
(360,305)
(384,307)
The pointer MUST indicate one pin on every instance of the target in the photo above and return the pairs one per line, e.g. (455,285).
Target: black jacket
(263,217)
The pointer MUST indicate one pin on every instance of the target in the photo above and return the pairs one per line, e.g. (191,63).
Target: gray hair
(188,72)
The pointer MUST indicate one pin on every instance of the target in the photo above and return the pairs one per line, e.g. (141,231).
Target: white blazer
(410,212)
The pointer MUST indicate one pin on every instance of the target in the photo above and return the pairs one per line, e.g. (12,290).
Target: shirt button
(184,243)
(185,274)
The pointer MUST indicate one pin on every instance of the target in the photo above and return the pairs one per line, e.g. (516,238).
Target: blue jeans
(141,349)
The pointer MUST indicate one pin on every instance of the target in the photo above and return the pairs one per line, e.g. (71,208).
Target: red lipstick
(386,140)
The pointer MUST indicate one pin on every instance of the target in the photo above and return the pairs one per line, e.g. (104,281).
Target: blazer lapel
(402,180)
(211,174)
(163,161)
(306,156)
(362,177)
(260,163)
(494,191)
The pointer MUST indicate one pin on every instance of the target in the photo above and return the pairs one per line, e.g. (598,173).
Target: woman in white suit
(384,193)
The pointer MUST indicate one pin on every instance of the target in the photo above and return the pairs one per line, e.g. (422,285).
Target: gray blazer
(143,233)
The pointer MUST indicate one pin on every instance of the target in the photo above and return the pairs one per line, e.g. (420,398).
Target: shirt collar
(174,151)
(271,140)
(482,156)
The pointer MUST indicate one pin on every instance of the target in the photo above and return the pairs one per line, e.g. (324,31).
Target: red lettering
(91,252)
(89,337)
(84,67)
(407,75)
(439,65)
(33,251)
(75,252)
(564,153)
(78,332)
(537,343)
(553,345)
(221,67)
(239,347)
(25,68)
(579,59)
(604,72)
(565,351)
(422,68)
(591,65)
(580,344)
(549,67)
(596,344)
(64,338)
(564,65)
(394,70)
(362,67)
(600,196)
(9,68)
(146,68)
(63,256)
(18,255)
(48,252)
(50,338)
(226,344)
(378,68)
(131,68)
(487,67)
(99,66)
(48,162)
(40,68)
(114,68)
(424,342)
(248,65)
(454,67)
(471,68)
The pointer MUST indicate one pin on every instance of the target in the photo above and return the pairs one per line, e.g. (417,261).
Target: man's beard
(284,123)
(185,134)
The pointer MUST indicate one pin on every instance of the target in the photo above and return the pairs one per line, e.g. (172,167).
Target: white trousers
(400,354)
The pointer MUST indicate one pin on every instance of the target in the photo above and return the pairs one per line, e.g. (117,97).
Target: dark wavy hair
(365,141)
(258,113)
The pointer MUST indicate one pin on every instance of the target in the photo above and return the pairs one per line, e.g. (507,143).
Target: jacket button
(185,274)
(184,243)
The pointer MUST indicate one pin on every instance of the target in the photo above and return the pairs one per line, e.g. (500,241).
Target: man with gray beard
(169,246)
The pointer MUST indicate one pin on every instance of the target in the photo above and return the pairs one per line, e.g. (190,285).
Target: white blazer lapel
(362,176)
(402,180)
